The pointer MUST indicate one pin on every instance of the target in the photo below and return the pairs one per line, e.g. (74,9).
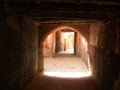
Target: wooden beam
(68,11)
(64,7)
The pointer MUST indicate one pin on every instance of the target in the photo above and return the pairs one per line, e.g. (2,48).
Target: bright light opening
(68,74)
(66,35)
(68,38)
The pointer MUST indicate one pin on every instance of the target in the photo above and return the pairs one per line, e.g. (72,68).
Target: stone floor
(42,82)
(63,63)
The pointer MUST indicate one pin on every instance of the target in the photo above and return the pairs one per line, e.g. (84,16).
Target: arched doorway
(65,53)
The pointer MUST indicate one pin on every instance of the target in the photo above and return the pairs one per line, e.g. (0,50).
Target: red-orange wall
(49,46)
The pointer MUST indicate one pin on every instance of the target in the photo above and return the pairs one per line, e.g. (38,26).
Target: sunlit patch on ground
(68,74)
(65,65)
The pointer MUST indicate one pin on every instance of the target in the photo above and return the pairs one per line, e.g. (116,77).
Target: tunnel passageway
(35,33)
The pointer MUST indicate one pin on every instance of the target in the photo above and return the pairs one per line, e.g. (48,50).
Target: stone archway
(80,51)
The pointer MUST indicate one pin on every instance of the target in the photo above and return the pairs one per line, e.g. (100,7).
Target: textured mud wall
(49,46)
(102,54)
(29,51)
(59,45)
(81,48)
(18,49)
(117,53)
